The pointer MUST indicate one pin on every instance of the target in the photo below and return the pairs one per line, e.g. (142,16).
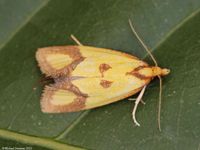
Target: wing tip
(78,103)
(46,106)
(74,57)
(42,63)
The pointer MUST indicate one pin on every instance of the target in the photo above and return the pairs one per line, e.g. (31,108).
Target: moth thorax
(149,72)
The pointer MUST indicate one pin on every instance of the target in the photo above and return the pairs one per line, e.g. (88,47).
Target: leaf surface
(170,28)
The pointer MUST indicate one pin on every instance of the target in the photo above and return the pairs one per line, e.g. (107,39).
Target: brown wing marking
(105,83)
(104,67)
(135,72)
(62,96)
(72,51)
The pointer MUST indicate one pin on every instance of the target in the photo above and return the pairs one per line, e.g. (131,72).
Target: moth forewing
(95,77)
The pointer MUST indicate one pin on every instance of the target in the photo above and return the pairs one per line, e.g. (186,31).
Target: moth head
(157,71)
(165,71)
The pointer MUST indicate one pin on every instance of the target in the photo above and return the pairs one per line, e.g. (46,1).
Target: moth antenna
(143,44)
(159,103)
(156,64)
(76,40)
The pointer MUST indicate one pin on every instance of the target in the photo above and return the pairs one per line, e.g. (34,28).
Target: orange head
(157,71)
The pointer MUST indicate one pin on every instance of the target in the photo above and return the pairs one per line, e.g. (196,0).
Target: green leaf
(170,28)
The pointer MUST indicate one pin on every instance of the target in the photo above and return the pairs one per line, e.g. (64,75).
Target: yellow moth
(87,77)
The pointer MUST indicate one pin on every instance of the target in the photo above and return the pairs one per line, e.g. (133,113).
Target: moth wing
(58,60)
(106,76)
(56,100)
(98,79)
(108,90)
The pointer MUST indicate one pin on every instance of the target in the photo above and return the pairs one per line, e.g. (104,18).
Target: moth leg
(139,98)
(76,40)
(134,99)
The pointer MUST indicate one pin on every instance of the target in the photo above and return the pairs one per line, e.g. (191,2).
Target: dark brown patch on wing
(71,51)
(47,107)
(135,72)
(64,84)
(104,67)
(105,83)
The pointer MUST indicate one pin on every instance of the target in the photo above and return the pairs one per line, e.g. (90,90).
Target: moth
(86,77)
